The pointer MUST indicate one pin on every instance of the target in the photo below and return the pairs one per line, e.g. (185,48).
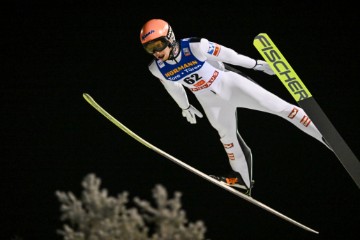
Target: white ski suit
(220,92)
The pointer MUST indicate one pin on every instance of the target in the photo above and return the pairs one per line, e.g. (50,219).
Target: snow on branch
(97,216)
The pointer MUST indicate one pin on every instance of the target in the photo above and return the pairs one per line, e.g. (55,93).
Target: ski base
(305,100)
(94,104)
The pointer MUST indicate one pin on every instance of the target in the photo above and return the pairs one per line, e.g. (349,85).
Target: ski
(305,100)
(94,104)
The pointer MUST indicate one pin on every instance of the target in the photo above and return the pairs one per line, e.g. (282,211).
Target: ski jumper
(220,92)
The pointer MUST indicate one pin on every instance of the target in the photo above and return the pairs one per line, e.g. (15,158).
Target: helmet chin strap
(174,51)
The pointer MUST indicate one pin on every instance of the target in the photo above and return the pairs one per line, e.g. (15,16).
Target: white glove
(264,67)
(190,113)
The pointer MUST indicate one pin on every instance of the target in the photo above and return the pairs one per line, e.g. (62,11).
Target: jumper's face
(162,55)
(159,48)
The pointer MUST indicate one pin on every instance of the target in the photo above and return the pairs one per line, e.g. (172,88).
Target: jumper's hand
(264,67)
(190,113)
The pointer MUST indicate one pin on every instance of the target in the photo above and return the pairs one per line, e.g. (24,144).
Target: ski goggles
(156,45)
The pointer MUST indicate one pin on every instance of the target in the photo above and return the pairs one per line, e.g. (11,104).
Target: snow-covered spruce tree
(97,216)
(168,219)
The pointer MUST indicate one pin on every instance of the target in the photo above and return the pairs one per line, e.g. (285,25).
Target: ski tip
(262,34)
(86,96)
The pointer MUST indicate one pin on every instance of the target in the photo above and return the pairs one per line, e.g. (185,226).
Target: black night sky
(51,138)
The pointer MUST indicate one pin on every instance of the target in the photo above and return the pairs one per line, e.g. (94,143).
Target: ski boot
(234,179)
